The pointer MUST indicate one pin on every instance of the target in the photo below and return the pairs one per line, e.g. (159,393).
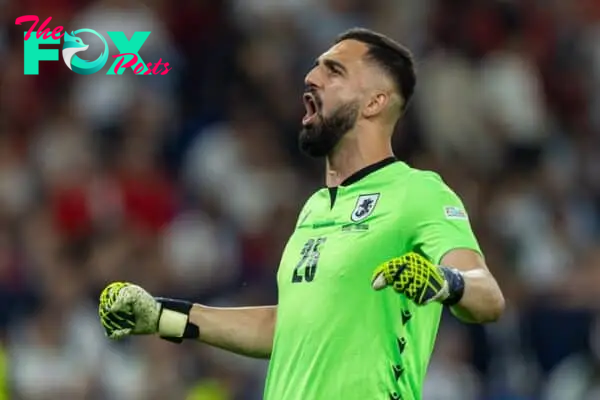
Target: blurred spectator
(577,376)
(450,376)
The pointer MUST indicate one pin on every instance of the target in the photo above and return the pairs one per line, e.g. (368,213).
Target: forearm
(246,330)
(482,300)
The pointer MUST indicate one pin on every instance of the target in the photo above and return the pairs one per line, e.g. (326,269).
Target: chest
(340,245)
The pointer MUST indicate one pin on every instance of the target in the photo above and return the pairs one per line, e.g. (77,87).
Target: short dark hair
(390,55)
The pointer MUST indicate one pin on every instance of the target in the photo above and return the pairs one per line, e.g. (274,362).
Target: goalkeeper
(372,261)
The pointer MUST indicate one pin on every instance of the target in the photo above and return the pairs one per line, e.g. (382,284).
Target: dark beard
(320,138)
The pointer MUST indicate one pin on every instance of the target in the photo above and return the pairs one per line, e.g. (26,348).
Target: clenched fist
(419,279)
(126,309)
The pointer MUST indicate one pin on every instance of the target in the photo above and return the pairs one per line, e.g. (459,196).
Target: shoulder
(311,202)
(413,180)
(427,192)
(426,181)
(316,196)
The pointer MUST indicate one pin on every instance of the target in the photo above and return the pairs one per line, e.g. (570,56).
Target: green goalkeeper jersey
(336,337)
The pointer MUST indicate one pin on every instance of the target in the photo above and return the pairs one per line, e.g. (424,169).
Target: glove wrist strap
(456,285)
(174,324)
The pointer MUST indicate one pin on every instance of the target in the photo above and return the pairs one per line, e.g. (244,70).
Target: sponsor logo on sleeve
(453,212)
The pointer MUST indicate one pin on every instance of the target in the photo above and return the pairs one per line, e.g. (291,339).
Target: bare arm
(246,330)
(482,300)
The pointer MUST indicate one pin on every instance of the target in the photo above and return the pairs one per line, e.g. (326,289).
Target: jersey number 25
(309,258)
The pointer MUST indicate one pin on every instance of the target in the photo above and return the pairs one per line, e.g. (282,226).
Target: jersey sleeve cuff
(438,260)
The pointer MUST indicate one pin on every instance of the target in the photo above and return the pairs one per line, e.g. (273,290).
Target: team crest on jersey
(365,204)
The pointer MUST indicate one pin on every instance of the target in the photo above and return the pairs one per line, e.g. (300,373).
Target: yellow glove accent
(414,276)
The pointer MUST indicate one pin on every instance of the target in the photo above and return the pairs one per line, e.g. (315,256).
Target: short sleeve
(437,218)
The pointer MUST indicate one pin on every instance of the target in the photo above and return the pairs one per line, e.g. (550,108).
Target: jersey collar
(361,173)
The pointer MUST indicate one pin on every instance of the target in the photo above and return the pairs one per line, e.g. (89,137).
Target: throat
(350,162)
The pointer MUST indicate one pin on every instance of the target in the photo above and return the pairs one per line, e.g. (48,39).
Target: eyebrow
(333,64)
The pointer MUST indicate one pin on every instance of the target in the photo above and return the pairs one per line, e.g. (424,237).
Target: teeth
(310,103)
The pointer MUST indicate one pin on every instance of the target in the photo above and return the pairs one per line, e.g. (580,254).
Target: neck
(355,152)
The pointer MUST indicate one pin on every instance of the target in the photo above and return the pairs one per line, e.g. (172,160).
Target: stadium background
(189,183)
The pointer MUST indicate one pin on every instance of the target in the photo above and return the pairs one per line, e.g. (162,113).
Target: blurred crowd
(190,183)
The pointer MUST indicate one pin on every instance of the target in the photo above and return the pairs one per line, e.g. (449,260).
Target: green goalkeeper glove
(126,309)
(420,280)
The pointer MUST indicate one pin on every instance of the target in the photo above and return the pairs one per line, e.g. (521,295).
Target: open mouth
(312,109)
